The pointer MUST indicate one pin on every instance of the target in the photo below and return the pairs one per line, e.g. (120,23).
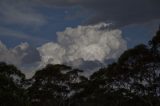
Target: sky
(86,34)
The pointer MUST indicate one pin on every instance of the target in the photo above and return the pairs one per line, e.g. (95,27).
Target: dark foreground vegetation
(134,80)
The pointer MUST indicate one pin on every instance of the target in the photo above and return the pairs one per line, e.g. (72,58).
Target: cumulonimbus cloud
(81,47)
(84,43)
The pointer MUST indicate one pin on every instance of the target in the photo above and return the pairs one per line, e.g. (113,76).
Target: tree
(11,86)
(53,85)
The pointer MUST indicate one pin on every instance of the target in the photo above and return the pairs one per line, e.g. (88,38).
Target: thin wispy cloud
(21,13)
(19,35)
(121,12)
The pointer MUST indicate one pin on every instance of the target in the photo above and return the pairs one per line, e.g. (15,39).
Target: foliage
(134,80)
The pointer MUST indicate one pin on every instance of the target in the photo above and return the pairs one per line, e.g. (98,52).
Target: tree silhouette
(53,85)
(11,83)
(133,80)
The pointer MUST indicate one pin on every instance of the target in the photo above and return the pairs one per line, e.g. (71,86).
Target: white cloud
(82,47)
(14,55)
(22,56)
(84,43)
(52,53)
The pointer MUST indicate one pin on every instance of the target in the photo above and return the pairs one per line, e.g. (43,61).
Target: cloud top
(84,43)
(84,47)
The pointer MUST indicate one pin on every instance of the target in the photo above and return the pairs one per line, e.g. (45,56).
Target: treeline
(134,80)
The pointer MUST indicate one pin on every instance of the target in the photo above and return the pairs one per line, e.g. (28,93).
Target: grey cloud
(22,55)
(20,35)
(121,12)
(92,66)
(21,13)
(30,54)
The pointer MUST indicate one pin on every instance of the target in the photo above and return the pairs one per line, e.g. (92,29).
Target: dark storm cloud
(121,12)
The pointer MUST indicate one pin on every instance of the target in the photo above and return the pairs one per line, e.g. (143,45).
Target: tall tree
(53,85)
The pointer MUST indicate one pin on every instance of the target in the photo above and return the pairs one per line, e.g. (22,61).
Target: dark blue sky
(57,19)
(56,16)
(37,22)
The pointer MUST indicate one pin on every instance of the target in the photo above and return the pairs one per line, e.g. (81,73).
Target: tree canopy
(134,80)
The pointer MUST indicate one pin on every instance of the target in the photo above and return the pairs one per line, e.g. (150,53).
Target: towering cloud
(75,46)
(85,47)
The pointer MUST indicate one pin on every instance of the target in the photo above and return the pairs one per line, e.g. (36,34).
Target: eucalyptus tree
(54,85)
